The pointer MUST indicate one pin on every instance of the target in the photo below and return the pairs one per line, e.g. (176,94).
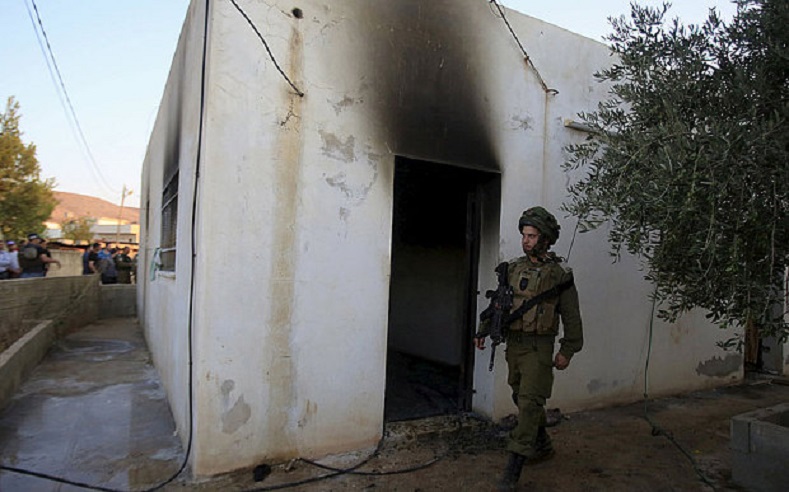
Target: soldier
(530,338)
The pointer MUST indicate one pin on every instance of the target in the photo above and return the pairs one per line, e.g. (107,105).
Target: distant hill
(73,205)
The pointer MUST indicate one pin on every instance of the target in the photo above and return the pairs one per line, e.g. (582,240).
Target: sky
(114,57)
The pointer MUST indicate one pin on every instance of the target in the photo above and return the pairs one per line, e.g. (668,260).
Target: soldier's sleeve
(570,312)
(484,329)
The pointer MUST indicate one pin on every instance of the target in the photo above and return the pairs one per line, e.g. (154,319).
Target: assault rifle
(501,301)
(499,309)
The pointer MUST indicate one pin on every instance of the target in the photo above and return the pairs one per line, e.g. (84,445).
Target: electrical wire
(72,112)
(523,50)
(53,78)
(265,45)
(353,470)
(572,241)
(191,306)
(401,471)
(335,473)
(195,188)
(656,429)
(53,478)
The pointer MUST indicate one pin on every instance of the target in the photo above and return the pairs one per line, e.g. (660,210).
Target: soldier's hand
(479,342)
(561,362)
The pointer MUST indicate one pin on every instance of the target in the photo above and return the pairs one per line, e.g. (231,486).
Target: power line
(265,44)
(523,50)
(55,83)
(79,133)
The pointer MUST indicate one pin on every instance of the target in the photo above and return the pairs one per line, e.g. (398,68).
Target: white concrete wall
(292,351)
(163,297)
(294,212)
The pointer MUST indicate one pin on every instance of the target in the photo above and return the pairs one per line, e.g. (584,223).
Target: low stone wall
(70,302)
(19,359)
(34,312)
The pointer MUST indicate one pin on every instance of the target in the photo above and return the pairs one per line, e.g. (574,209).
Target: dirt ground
(613,449)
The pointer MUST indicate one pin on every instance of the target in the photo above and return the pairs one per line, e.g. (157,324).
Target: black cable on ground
(353,470)
(53,478)
(401,471)
(337,472)
(656,429)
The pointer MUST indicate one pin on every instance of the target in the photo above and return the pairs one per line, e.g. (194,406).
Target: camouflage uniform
(531,339)
(530,347)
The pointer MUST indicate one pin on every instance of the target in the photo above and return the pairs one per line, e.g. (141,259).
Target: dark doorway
(432,293)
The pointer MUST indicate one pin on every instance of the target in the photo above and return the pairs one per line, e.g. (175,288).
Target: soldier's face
(530,236)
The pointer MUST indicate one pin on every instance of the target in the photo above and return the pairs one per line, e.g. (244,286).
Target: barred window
(169,218)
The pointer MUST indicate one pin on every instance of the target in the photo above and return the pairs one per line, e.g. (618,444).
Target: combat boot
(512,473)
(543,447)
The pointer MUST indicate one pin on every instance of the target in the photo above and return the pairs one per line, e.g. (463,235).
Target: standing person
(109,274)
(90,260)
(33,257)
(13,249)
(9,265)
(530,339)
(124,265)
(45,245)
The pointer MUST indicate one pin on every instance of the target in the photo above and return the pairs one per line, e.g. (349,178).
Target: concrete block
(760,448)
(740,434)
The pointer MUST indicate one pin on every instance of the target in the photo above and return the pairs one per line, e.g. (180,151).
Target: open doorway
(432,293)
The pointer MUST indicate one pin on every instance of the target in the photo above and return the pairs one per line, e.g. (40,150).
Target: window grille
(169,222)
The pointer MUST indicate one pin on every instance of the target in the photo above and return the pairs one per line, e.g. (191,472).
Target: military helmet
(543,220)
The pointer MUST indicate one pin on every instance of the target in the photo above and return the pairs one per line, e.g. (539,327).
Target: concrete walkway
(92,412)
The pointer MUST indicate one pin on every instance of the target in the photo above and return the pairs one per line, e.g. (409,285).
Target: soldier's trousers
(530,364)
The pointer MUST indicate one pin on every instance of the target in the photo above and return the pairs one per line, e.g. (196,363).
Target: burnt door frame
(479,192)
(471,280)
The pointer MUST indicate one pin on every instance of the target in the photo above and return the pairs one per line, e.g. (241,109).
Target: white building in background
(103,229)
(299,240)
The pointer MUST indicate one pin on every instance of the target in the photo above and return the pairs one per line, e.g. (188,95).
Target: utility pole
(124,194)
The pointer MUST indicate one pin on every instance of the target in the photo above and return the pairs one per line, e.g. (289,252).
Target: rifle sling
(542,296)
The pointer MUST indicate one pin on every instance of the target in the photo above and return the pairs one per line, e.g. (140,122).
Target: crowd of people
(115,266)
(31,258)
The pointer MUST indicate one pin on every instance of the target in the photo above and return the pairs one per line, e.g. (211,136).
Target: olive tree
(26,200)
(688,160)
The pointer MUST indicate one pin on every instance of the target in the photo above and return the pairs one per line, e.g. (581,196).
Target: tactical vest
(527,280)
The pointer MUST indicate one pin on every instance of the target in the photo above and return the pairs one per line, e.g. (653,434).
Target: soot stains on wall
(426,63)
